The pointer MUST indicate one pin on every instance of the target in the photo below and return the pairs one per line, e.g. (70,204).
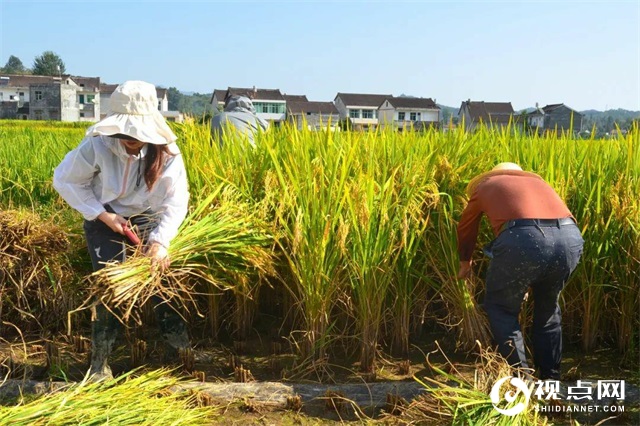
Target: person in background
(127,171)
(537,247)
(240,115)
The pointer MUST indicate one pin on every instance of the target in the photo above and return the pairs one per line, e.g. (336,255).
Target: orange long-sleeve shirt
(503,197)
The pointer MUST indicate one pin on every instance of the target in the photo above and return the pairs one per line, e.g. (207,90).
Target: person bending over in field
(537,246)
(127,171)
(240,115)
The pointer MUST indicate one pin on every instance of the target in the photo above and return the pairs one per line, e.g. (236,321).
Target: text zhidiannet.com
(579,408)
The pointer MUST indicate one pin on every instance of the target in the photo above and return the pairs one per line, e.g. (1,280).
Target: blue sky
(583,53)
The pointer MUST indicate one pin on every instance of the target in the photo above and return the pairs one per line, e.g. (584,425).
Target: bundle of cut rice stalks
(150,399)
(454,397)
(35,273)
(217,243)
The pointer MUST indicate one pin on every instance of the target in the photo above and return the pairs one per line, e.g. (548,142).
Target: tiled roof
(14,80)
(303,107)
(415,103)
(361,99)
(551,107)
(494,112)
(19,80)
(107,89)
(256,94)
(89,83)
(220,94)
(253,94)
(295,98)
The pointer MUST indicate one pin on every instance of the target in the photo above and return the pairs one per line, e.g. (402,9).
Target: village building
(359,110)
(408,113)
(60,98)
(490,114)
(313,115)
(270,104)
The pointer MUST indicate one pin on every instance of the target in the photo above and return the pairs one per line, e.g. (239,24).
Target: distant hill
(607,121)
(604,121)
(448,112)
(621,114)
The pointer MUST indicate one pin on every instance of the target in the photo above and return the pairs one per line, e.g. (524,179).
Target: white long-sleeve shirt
(99,171)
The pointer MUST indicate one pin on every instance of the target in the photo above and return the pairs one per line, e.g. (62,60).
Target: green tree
(196,104)
(174,96)
(14,66)
(48,64)
(609,124)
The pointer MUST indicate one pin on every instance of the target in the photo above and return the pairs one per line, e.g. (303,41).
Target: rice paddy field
(314,256)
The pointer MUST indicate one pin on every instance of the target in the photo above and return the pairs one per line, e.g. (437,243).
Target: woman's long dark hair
(154,162)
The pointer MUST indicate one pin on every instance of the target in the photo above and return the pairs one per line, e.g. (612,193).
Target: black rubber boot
(104,330)
(174,332)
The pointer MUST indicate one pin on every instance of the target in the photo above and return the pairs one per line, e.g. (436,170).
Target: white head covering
(507,166)
(134,112)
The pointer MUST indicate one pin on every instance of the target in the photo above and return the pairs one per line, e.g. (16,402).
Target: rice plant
(465,315)
(371,255)
(148,399)
(312,174)
(360,226)
(28,155)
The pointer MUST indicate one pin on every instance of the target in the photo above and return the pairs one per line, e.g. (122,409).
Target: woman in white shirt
(127,171)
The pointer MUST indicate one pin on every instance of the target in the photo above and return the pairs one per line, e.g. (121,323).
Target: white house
(404,112)
(270,104)
(360,109)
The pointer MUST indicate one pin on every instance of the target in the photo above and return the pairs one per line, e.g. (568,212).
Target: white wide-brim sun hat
(133,111)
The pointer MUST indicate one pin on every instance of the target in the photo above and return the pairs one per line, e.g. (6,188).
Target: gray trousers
(540,257)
